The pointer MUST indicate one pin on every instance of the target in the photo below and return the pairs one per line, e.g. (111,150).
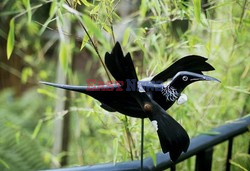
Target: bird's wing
(192,63)
(121,68)
(173,137)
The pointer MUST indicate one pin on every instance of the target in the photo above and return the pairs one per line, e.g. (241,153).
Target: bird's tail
(173,137)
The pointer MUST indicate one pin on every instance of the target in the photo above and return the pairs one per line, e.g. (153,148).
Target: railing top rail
(197,145)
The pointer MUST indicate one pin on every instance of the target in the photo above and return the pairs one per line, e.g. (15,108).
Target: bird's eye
(184,78)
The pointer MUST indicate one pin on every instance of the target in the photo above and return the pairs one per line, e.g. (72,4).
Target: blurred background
(45,40)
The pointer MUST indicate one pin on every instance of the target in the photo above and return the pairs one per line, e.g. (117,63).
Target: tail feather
(173,137)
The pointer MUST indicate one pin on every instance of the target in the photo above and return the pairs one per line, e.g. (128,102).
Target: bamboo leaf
(143,8)
(84,41)
(86,3)
(11,38)
(92,26)
(53,8)
(197,10)
(126,36)
(115,149)
(63,56)
(237,165)
(26,3)
(37,129)
(47,93)
(153,155)
(4,164)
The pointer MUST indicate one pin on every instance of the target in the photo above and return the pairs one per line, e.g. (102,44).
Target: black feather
(192,63)
(120,67)
(173,137)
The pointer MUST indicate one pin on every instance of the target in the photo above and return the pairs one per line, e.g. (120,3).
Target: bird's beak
(66,87)
(208,78)
(205,78)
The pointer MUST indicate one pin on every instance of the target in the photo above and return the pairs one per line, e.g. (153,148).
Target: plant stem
(96,50)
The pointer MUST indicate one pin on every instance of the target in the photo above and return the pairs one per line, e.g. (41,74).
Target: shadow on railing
(201,146)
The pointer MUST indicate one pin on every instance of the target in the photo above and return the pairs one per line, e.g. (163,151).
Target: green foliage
(18,150)
(49,33)
(11,38)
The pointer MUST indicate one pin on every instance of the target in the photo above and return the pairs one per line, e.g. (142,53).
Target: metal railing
(200,146)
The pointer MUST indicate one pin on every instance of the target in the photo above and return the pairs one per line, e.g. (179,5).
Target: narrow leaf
(11,38)
(4,164)
(237,165)
(126,36)
(63,57)
(92,26)
(143,8)
(115,149)
(53,8)
(86,3)
(197,10)
(153,155)
(84,41)
(37,129)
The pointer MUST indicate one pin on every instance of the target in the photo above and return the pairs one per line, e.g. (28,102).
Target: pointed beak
(66,87)
(208,78)
(200,77)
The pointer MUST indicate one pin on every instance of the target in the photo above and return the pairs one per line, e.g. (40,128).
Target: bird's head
(184,78)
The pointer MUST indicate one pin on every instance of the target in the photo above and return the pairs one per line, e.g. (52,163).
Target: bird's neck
(179,86)
(170,93)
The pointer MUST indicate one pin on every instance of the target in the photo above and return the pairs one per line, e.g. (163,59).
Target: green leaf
(153,155)
(4,164)
(86,3)
(143,8)
(237,165)
(197,10)
(26,3)
(115,149)
(107,28)
(18,137)
(26,73)
(53,8)
(92,27)
(63,56)
(126,36)
(47,93)
(84,41)
(11,38)
(37,129)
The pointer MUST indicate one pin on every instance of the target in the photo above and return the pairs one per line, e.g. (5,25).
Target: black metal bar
(197,144)
(204,160)
(173,168)
(142,139)
(229,153)
(249,147)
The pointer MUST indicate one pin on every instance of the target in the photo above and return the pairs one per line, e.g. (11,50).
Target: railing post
(229,153)
(173,168)
(204,160)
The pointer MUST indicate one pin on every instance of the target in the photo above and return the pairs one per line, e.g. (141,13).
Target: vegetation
(65,41)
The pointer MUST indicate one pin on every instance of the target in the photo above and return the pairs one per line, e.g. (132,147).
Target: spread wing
(192,63)
(120,67)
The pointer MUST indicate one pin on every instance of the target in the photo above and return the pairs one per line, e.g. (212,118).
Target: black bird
(148,99)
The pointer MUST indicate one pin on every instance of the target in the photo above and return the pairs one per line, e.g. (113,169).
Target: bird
(148,98)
